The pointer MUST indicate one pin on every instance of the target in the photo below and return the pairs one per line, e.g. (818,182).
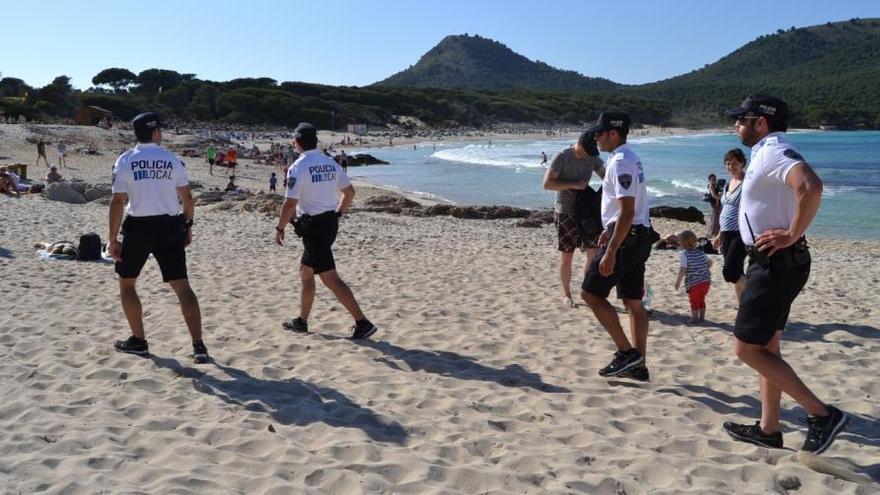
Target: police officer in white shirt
(147,182)
(624,248)
(312,185)
(780,196)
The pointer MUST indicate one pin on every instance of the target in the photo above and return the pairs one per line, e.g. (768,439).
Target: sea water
(510,173)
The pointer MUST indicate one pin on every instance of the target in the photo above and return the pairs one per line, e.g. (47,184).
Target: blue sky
(357,43)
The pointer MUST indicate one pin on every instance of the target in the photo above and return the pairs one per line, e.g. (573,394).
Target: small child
(272,182)
(695,272)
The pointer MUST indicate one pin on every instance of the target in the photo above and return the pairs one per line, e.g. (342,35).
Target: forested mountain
(477,63)
(828,73)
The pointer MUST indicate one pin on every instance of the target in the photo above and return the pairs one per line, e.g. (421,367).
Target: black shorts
(211,161)
(629,269)
(318,237)
(766,301)
(163,236)
(734,252)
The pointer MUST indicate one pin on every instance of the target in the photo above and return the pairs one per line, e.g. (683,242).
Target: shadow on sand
(454,365)
(289,402)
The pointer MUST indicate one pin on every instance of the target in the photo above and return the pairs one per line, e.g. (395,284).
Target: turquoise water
(510,173)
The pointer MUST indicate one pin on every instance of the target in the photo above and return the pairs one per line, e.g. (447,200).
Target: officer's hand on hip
(115,250)
(279,236)
(606,265)
(772,241)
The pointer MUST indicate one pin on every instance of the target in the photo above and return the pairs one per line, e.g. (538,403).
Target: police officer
(312,184)
(147,182)
(780,196)
(625,245)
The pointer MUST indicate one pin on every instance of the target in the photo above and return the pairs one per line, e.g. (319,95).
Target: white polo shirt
(150,175)
(624,178)
(314,180)
(766,199)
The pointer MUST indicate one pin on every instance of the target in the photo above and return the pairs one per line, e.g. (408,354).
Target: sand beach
(478,380)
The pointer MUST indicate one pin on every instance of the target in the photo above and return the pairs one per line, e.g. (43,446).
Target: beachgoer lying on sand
(53,175)
(65,248)
(669,242)
(9,182)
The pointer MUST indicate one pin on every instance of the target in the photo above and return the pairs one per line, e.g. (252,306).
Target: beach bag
(588,213)
(89,248)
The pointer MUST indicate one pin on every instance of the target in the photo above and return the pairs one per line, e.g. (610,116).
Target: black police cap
(768,106)
(148,121)
(305,130)
(607,121)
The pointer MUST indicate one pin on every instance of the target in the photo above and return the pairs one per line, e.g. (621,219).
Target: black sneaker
(822,431)
(200,353)
(623,361)
(133,345)
(363,329)
(753,434)
(297,325)
(639,373)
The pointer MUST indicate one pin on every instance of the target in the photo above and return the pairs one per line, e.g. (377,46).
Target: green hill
(827,73)
(477,63)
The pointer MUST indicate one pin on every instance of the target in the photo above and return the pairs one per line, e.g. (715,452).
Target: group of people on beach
(763,212)
(776,198)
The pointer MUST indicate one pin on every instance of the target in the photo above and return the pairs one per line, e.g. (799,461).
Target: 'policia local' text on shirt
(313,180)
(150,175)
(624,178)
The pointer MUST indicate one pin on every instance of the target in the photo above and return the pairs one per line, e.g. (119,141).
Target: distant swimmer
(147,183)
(780,197)
(313,182)
(625,246)
(543,159)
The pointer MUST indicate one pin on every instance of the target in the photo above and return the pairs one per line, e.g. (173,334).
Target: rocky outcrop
(268,204)
(360,159)
(489,212)
(399,201)
(66,192)
(529,222)
(690,214)
(97,191)
(404,206)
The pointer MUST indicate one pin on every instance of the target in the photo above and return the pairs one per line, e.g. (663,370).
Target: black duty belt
(798,254)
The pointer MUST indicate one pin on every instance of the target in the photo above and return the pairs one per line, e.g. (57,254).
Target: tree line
(687,101)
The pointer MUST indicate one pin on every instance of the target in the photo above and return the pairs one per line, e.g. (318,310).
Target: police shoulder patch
(793,154)
(625,180)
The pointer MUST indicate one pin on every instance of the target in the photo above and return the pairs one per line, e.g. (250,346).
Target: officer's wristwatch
(188,223)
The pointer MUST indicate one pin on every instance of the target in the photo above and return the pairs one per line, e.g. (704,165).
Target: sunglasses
(743,118)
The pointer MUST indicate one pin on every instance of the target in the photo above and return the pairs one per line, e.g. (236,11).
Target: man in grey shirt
(570,173)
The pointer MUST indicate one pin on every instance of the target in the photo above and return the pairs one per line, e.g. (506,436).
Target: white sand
(477,382)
